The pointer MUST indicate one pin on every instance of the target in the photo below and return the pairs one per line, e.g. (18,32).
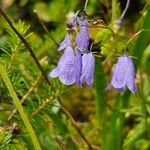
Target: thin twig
(26,44)
(75,125)
(14,53)
(60,143)
(42,106)
(25,97)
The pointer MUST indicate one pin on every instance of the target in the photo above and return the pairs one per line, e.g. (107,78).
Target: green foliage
(106,119)
(100,87)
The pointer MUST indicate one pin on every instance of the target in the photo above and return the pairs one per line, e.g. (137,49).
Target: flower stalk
(118,22)
(85,6)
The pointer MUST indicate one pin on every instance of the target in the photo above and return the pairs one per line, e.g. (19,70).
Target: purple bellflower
(88,65)
(66,67)
(78,67)
(88,60)
(82,39)
(123,75)
(77,63)
(64,43)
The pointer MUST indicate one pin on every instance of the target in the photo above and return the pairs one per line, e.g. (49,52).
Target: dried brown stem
(60,143)
(75,125)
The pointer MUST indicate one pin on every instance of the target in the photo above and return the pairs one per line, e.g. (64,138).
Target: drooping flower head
(88,65)
(65,69)
(64,43)
(123,75)
(82,42)
(82,39)
(78,66)
(77,63)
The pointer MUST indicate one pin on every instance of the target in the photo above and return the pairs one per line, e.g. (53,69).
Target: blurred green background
(107,120)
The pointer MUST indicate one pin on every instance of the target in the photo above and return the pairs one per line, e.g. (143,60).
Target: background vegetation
(71,117)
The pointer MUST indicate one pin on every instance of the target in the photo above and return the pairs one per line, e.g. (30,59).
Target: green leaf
(100,86)
(142,39)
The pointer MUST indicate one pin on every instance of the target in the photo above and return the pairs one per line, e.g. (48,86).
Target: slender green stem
(85,6)
(118,22)
(135,35)
(114,10)
(125,10)
(19,107)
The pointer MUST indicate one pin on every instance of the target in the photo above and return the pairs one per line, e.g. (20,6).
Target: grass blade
(19,107)
(100,86)
(142,39)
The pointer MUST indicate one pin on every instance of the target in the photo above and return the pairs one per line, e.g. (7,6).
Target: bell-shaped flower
(66,68)
(64,43)
(78,67)
(88,65)
(82,39)
(77,64)
(123,75)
